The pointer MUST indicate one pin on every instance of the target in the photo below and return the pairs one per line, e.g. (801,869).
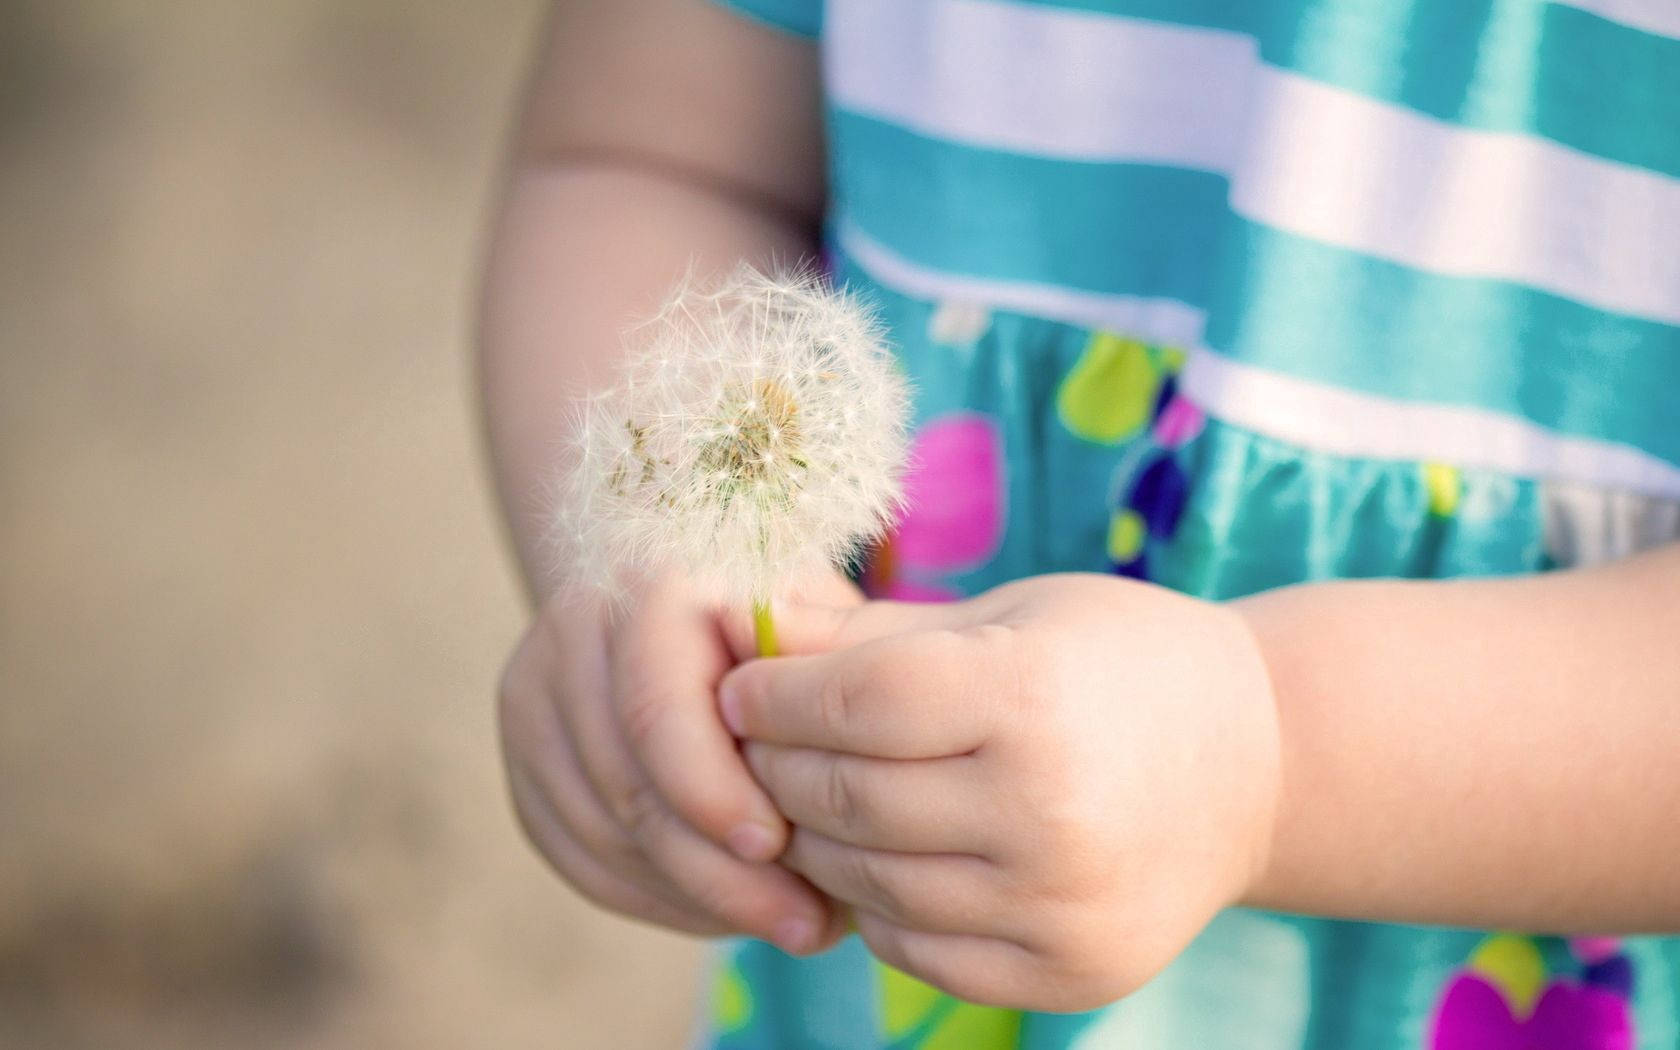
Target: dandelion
(756,437)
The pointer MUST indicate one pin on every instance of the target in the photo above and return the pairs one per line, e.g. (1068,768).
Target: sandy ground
(252,597)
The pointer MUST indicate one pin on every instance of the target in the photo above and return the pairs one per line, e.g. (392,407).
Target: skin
(1037,797)
(1011,817)
(657,135)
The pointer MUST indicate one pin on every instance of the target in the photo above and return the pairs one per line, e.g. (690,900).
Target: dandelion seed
(756,437)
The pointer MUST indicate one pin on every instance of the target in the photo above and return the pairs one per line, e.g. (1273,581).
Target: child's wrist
(1264,634)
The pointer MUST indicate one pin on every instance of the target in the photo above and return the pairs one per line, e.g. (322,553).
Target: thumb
(832,615)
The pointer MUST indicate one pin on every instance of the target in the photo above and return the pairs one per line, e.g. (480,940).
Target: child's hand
(626,780)
(1035,798)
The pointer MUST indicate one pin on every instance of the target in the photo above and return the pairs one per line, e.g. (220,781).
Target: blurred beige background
(252,597)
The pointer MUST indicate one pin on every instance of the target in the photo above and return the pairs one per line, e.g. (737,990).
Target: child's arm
(659,134)
(1494,753)
(1037,797)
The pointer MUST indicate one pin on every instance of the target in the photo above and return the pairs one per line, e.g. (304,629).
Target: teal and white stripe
(1300,155)
(1166,321)
(1522,66)
(1300,411)
(1436,229)
(1653,16)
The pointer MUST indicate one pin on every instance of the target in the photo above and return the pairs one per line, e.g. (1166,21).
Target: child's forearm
(581,253)
(1490,753)
(658,135)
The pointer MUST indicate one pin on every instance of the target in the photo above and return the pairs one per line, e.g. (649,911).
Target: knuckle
(835,699)
(841,797)
(740,903)
(901,654)
(1016,664)
(604,842)
(886,943)
(976,667)
(924,660)
(641,716)
(639,811)
(878,887)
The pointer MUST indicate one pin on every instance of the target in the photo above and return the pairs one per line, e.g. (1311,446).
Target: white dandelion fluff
(756,436)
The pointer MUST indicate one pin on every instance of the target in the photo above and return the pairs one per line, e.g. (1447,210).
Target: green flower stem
(764,628)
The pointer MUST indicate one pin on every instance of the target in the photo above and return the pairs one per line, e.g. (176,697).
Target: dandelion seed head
(756,436)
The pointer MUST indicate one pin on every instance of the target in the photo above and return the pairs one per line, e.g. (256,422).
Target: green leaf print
(1109,393)
(917,1016)
(732,1004)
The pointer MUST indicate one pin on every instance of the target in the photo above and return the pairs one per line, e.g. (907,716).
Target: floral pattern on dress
(955,498)
(1505,998)
(1119,390)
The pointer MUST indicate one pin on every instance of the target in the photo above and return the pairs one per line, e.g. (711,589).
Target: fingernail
(752,842)
(796,936)
(729,702)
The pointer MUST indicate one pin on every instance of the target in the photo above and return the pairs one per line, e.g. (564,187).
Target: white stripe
(1166,321)
(1315,415)
(1298,411)
(1329,164)
(1042,80)
(1302,156)
(1661,17)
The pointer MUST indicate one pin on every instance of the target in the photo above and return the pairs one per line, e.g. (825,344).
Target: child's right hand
(624,776)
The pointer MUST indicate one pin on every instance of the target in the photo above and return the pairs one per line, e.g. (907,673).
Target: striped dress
(1231,294)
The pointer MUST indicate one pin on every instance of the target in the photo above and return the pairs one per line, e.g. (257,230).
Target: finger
(589,876)
(928,694)
(541,756)
(905,806)
(763,900)
(540,750)
(947,893)
(981,970)
(665,668)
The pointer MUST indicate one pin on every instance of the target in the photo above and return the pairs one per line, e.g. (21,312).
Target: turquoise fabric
(1061,445)
(800,17)
(1607,89)
(1272,298)
(1471,62)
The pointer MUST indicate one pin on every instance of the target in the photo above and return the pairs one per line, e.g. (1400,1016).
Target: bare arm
(657,134)
(1495,753)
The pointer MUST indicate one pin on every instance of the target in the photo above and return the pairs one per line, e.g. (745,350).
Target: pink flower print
(1504,999)
(954,510)
(1475,1016)
(1178,422)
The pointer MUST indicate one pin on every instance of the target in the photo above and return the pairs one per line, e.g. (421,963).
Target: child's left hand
(1035,798)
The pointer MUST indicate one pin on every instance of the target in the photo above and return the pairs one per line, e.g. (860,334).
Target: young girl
(1341,325)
